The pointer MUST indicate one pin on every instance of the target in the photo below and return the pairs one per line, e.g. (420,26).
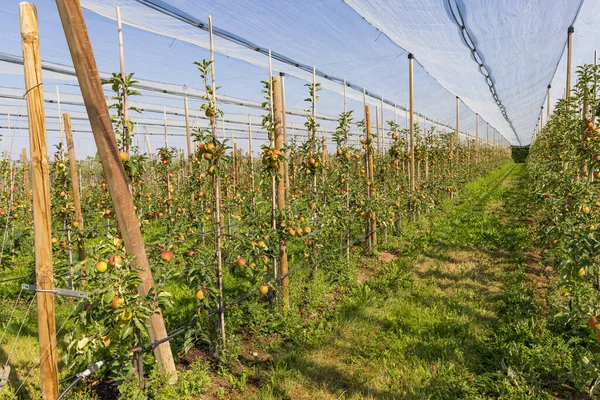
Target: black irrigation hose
(91,368)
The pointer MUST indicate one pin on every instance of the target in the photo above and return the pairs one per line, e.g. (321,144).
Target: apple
(307,229)
(105,340)
(166,255)
(240,262)
(115,260)
(263,289)
(125,316)
(101,266)
(200,294)
(592,322)
(117,301)
(124,156)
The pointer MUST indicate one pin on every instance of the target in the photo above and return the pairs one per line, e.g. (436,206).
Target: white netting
(328,34)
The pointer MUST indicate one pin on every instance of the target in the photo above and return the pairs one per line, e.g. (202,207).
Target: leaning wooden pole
(411,122)
(88,77)
(283,258)
(74,183)
(44,277)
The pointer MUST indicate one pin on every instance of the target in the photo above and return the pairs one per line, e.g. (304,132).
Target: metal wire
(233,303)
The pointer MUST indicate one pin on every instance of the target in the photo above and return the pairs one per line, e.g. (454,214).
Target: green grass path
(453,316)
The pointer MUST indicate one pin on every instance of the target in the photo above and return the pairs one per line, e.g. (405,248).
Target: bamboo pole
(60,121)
(281,186)
(74,183)
(411,123)
(84,62)
(26,177)
(41,199)
(217,184)
(125,116)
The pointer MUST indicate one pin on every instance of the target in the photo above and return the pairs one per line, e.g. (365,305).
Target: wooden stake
(476,137)
(412,126)
(187,127)
(84,62)
(377,128)
(368,241)
(548,104)
(74,182)
(285,141)
(457,118)
(281,190)
(148,146)
(41,199)
(569,58)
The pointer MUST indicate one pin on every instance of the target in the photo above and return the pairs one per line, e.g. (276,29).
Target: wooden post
(41,199)
(84,62)
(476,138)
(412,126)
(251,161)
(377,128)
(457,118)
(548,104)
(74,182)
(283,259)
(26,177)
(125,115)
(425,137)
(187,127)
(286,167)
(368,241)
(382,127)
(148,146)
(569,58)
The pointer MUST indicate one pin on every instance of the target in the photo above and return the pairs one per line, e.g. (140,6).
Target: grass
(446,310)
(454,316)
